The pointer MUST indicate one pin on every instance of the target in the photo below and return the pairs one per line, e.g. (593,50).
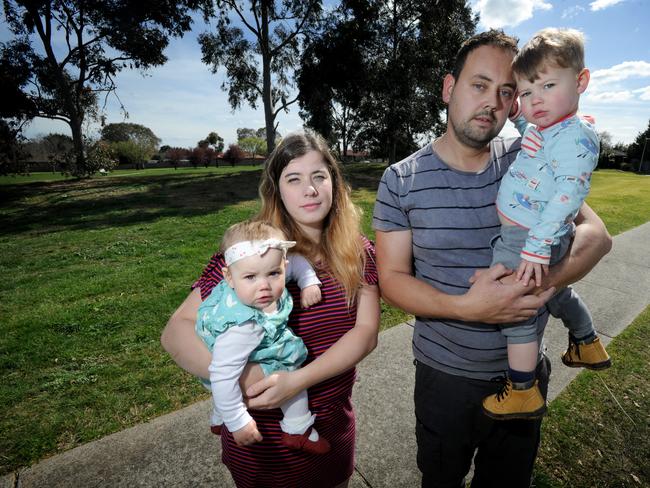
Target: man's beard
(475,138)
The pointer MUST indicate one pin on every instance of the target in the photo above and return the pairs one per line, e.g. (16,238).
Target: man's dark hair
(493,37)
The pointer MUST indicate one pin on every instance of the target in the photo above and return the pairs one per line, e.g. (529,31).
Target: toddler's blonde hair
(563,48)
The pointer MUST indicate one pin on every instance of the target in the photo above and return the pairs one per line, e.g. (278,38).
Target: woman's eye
(549,85)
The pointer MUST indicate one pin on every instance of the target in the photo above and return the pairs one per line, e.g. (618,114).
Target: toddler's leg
(297,426)
(520,397)
(585,348)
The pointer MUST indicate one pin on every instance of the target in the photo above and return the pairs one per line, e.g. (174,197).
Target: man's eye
(479,86)
(506,94)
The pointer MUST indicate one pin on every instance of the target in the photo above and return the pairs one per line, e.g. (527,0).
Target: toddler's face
(552,96)
(257,280)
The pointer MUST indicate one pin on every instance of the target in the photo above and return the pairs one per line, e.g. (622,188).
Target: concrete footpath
(178,450)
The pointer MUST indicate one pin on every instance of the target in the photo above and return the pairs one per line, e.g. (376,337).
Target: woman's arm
(351,348)
(181,341)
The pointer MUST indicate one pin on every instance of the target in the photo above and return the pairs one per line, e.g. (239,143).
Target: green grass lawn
(597,431)
(94,268)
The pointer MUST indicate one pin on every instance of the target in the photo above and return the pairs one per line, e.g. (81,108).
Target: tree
(59,149)
(176,155)
(253,145)
(131,143)
(83,45)
(216,141)
(398,52)
(233,155)
(276,29)
(333,73)
(12,150)
(639,150)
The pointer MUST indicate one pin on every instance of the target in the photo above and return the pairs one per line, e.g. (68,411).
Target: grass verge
(597,431)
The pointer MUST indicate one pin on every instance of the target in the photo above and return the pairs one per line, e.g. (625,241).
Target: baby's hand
(310,295)
(528,270)
(247,435)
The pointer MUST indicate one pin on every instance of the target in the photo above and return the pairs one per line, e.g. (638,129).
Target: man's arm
(590,244)
(488,300)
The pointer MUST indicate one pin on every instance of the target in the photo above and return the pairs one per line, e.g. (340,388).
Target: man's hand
(493,301)
(247,435)
(528,270)
(310,295)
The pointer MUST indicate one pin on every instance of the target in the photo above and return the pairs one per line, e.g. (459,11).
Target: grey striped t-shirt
(453,218)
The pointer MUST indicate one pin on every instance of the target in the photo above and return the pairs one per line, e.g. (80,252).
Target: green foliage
(65,52)
(216,141)
(373,74)
(130,152)
(259,56)
(636,150)
(253,145)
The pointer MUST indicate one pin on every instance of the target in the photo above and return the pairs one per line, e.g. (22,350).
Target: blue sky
(182,101)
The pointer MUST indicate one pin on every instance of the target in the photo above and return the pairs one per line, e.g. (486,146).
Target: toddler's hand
(528,270)
(310,295)
(247,435)
(515,110)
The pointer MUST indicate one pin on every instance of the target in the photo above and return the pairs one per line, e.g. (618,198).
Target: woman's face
(306,191)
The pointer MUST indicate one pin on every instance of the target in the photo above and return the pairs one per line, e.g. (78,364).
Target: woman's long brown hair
(340,245)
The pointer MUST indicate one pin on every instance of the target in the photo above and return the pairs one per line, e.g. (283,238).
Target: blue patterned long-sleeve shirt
(548,182)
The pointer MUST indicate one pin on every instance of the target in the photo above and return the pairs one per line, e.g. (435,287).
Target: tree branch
(295,32)
(284,106)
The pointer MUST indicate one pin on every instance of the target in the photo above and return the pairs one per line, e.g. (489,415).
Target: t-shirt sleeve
(211,276)
(370,275)
(389,214)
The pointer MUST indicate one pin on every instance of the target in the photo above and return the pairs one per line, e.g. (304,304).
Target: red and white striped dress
(269,464)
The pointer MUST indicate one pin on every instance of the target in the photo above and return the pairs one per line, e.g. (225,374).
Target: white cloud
(644,93)
(609,78)
(501,13)
(571,12)
(603,4)
(610,97)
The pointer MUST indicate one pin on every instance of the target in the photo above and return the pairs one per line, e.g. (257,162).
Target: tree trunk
(267,96)
(392,150)
(78,145)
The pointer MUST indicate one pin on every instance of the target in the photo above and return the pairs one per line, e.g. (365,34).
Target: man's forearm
(416,297)
(590,244)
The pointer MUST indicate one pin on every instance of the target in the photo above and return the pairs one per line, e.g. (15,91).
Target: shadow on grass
(117,201)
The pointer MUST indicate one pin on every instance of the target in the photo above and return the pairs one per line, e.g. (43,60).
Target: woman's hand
(273,390)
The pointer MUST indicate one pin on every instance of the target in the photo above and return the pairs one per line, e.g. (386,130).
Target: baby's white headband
(246,249)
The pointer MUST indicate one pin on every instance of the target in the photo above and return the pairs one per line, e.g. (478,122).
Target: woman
(303,194)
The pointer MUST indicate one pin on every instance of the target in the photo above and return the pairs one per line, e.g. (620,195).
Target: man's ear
(583,80)
(448,87)
(227,275)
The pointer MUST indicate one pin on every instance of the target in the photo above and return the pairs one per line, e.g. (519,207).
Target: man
(435,218)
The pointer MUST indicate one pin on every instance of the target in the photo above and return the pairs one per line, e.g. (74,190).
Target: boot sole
(537,414)
(594,367)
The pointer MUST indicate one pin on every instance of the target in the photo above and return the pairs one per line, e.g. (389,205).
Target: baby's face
(257,280)
(552,96)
